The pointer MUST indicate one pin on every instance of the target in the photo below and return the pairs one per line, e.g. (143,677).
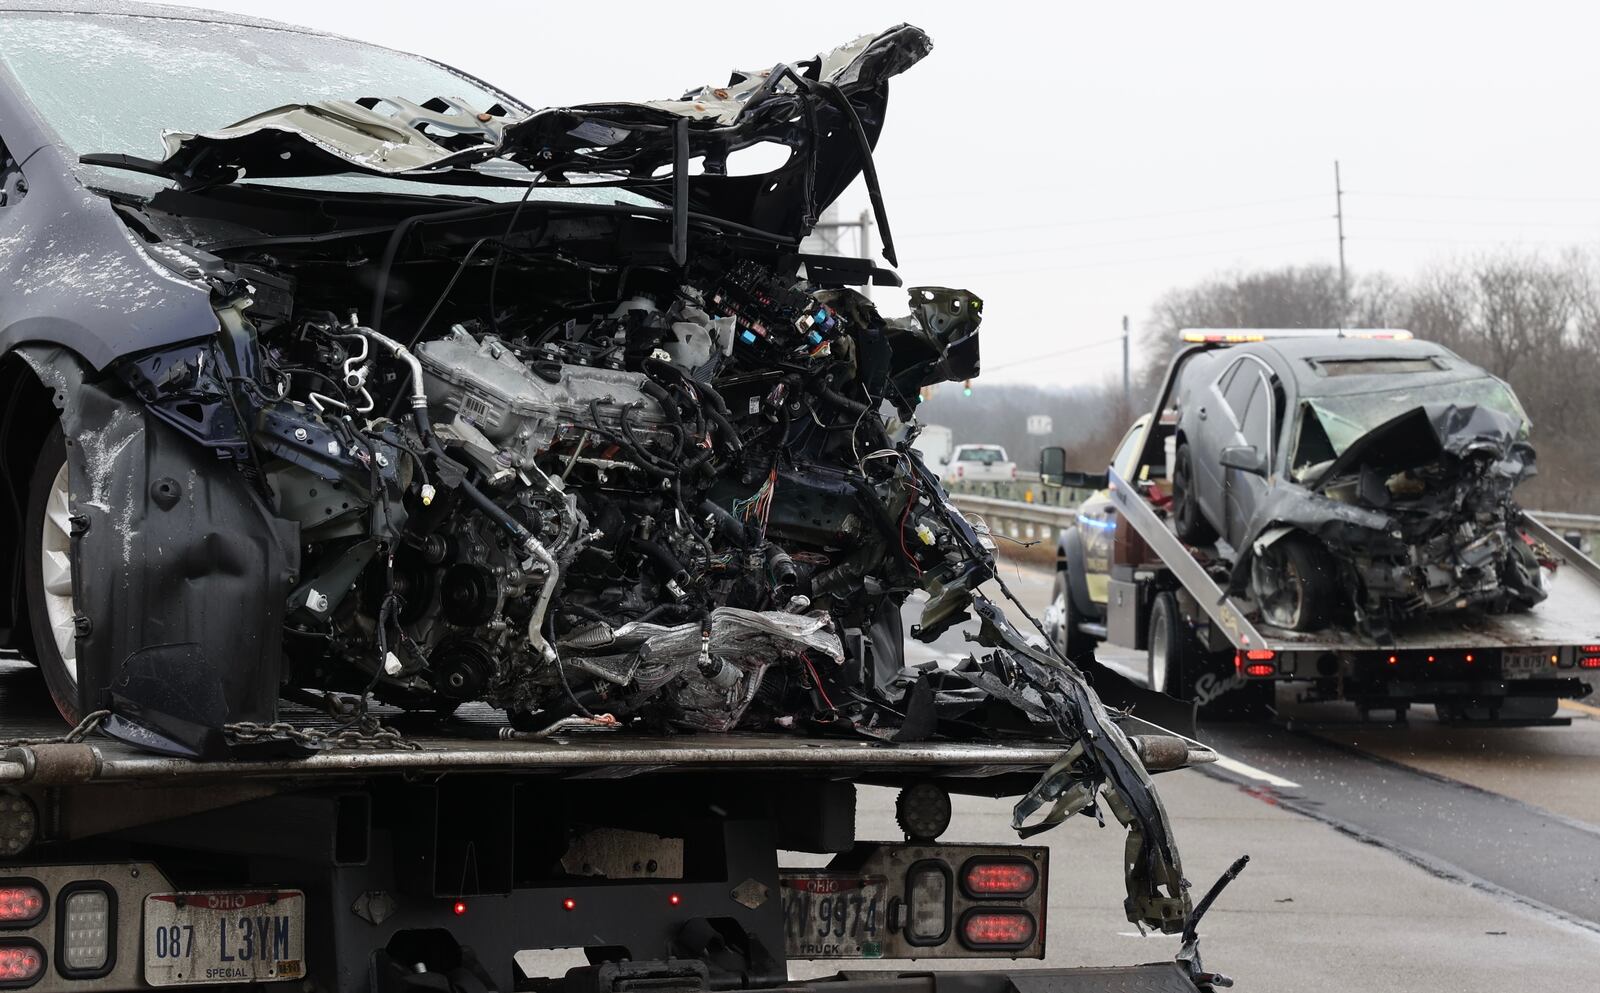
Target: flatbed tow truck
(1169,600)
(428,861)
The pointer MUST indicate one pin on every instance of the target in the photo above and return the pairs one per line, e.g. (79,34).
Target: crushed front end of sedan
(1441,479)
(449,401)
(1418,511)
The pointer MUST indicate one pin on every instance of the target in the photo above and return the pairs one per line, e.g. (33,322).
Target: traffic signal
(966,387)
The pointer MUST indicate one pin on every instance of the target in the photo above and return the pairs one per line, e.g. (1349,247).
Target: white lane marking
(1239,768)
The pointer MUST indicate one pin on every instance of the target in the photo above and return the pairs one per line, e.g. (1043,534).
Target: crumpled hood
(1424,433)
(828,110)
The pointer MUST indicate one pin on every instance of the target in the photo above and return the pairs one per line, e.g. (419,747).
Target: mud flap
(180,576)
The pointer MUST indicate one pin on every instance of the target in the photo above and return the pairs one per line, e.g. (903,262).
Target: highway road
(1383,858)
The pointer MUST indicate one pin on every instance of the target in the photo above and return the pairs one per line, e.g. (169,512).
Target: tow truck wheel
(47,560)
(1180,667)
(1191,524)
(1168,649)
(1064,633)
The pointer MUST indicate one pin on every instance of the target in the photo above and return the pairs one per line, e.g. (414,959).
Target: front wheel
(1294,584)
(1061,622)
(47,579)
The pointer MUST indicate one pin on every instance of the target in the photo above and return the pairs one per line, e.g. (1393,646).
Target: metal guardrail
(1015,519)
(1054,509)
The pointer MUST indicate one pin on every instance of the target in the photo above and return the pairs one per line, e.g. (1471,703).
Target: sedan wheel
(1292,582)
(48,580)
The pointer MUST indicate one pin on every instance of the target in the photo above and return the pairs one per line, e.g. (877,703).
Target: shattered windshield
(1346,418)
(113,83)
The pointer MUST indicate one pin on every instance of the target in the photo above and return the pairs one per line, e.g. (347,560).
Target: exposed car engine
(674,503)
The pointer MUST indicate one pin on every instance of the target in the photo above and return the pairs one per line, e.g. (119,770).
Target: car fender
(180,576)
(77,277)
(1069,558)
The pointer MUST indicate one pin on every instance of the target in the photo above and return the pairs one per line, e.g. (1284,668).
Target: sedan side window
(1257,423)
(1238,388)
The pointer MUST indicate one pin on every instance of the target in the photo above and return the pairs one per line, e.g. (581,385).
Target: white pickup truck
(980,464)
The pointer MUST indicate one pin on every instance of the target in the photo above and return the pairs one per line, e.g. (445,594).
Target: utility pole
(1127,389)
(1344,285)
(826,237)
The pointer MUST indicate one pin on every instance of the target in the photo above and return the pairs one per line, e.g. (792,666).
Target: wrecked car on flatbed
(467,522)
(1337,509)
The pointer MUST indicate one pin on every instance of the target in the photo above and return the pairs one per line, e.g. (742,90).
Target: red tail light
(20,962)
(1261,655)
(1260,669)
(983,877)
(981,929)
(1591,649)
(1589,662)
(20,903)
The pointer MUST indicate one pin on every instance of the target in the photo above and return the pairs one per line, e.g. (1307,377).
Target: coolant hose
(785,574)
(663,560)
(731,527)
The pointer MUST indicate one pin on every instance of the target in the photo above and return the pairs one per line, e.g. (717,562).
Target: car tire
(1064,633)
(47,575)
(1179,666)
(1187,518)
(1294,584)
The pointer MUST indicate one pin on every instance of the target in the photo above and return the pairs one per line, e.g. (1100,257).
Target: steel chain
(368,732)
(88,724)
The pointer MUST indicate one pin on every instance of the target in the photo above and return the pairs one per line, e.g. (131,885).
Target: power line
(1589,225)
(1474,196)
(1086,221)
(1078,246)
(1141,261)
(1471,241)
(1051,355)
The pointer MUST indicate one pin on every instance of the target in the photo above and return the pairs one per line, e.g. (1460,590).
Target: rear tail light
(21,962)
(86,929)
(22,901)
(1589,662)
(1014,878)
(986,929)
(928,904)
(1256,662)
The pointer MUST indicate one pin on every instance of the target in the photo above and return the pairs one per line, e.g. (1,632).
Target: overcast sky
(1069,162)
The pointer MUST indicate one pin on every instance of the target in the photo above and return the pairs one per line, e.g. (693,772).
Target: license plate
(830,915)
(231,936)
(1522,665)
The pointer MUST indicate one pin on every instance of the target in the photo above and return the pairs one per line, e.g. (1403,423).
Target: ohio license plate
(1526,664)
(831,915)
(224,936)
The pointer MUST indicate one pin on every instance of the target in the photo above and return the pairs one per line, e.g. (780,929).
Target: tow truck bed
(402,870)
(469,743)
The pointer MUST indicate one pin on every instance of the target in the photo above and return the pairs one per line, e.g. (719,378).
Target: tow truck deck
(429,861)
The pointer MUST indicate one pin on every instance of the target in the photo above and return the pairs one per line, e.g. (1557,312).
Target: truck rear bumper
(1157,977)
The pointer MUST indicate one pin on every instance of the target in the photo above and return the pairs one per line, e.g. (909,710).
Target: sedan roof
(1341,366)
